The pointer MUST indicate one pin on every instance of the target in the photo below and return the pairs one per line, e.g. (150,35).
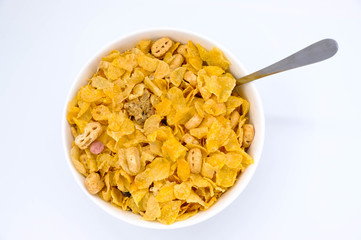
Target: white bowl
(249,91)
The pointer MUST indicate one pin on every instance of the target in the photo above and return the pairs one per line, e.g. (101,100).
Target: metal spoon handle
(314,53)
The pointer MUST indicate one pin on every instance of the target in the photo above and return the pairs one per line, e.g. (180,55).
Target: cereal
(194,159)
(133,159)
(248,134)
(161,46)
(176,62)
(96,147)
(91,132)
(190,77)
(94,183)
(159,130)
(234,119)
(193,122)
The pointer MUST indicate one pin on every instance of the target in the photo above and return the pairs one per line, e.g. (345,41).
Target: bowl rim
(207,214)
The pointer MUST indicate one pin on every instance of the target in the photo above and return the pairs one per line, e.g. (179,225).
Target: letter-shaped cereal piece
(161,46)
(194,159)
(91,132)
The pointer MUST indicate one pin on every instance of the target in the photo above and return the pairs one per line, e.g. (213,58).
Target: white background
(308,184)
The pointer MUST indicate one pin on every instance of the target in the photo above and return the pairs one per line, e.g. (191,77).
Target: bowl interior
(248,91)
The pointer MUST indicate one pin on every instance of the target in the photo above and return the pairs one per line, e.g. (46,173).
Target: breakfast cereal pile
(159,131)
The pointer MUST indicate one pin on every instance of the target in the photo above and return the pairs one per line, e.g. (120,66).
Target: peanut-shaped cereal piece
(93,183)
(133,159)
(182,49)
(161,46)
(195,159)
(194,122)
(248,134)
(234,118)
(190,77)
(91,132)
(176,62)
(189,139)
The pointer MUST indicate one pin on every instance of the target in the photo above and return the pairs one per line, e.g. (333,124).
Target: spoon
(314,53)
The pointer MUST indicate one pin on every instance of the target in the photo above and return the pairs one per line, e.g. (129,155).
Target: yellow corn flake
(80,124)
(164,107)
(89,94)
(183,115)
(232,103)
(166,193)
(148,63)
(136,77)
(214,57)
(175,95)
(199,132)
(153,210)
(138,195)
(232,143)
(84,106)
(121,124)
(144,45)
(213,70)
(128,63)
(143,179)
(112,55)
(216,136)
(216,160)
(226,177)
(207,170)
(156,148)
(183,170)
(113,72)
(194,198)
(186,215)
(246,160)
(160,169)
(234,160)
(193,56)
(173,149)
(220,86)
(162,84)
(144,104)
(245,108)
(162,70)
(74,156)
(213,108)
(182,190)
(161,134)
(152,87)
(169,212)
(100,113)
(176,77)
(152,124)
(99,82)
(201,82)
(116,196)
(198,104)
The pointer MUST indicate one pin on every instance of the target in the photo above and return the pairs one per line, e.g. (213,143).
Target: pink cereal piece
(96,147)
